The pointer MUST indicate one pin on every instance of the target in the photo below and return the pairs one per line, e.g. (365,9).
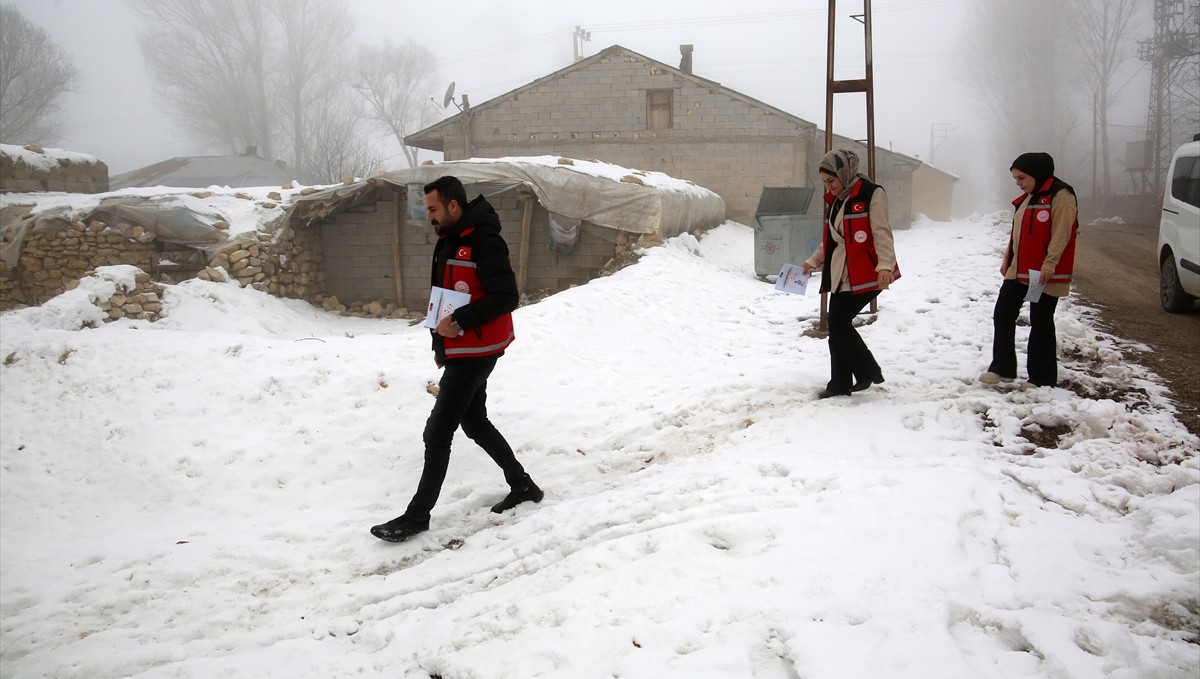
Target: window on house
(659,104)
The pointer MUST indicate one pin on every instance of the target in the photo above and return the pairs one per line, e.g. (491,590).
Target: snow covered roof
(46,159)
(599,193)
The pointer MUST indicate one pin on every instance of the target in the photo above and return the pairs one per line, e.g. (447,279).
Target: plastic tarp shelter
(168,217)
(647,203)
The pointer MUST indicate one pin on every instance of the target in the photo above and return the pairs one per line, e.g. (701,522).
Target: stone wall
(55,256)
(341,261)
(69,173)
(143,302)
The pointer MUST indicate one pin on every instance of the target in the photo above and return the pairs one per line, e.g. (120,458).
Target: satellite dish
(449,95)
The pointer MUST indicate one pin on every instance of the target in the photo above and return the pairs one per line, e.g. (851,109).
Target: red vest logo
(463,253)
(860,236)
(858,207)
(462,286)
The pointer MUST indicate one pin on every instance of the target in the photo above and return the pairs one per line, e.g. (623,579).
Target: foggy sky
(772,50)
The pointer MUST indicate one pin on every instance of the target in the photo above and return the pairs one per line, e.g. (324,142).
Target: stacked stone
(303,276)
(625,253)
(54,255)
(373,309)
(66,175)
(247,261)
(144,302)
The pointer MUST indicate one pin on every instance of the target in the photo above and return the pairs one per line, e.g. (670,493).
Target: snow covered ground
(191,498)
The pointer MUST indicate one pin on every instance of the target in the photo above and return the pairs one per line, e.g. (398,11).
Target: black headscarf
(1040,166)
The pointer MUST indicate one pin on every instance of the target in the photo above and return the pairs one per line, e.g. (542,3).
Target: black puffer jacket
(479,230)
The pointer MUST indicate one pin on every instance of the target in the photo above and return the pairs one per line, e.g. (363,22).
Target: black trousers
(1041,356)
(461,402)
(849,358)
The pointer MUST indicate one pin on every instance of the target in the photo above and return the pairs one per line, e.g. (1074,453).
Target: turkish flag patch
(463,253)
(858,207)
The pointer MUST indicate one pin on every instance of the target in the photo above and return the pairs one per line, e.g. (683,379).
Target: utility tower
(937,134)
(1174,56)
(866,84)
(833,86)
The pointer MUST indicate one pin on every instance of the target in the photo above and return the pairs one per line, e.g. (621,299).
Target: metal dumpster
(783,233)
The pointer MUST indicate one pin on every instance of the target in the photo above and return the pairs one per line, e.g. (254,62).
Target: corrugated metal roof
(204,171)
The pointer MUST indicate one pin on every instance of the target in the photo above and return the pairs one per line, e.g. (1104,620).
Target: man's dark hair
(449,188)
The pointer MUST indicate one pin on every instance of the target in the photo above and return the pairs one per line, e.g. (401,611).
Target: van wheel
(1174,299)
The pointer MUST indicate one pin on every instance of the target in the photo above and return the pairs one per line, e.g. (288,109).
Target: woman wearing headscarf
(1043,240)
(857,260)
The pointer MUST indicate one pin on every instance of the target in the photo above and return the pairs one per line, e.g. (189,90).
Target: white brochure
(442,303)
(792,279)
(1036,286)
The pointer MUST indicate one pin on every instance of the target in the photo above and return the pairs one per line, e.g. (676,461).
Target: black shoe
(399,529)
(827,393)
(529,493)
(859,386)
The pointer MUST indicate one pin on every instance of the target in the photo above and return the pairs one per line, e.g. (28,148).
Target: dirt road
(1116,272)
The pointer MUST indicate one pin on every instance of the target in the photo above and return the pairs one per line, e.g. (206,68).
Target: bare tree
(1017,64)
(337,147)
(242,73)
(209,63)
(34,74)
(314,38)
(1100,29)
(395,82)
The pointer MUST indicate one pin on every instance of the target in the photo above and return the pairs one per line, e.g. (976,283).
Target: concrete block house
(622,107)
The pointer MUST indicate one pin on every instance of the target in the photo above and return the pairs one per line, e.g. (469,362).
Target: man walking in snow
(470,257)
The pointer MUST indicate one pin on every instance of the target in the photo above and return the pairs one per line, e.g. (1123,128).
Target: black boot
(863,384)
(529,492)
(399,529)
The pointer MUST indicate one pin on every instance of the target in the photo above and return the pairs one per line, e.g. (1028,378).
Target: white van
(1179,231)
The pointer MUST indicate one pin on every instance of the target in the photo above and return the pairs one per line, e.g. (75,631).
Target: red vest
(861,258)
(492,337)
(1036,233)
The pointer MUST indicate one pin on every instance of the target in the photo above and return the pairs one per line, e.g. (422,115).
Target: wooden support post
(399,198)
(523,251)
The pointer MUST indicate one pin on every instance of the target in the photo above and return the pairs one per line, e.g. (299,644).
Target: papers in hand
(442,303)
(1036,286)
(792,279)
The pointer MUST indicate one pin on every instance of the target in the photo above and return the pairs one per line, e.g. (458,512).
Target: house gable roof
(431,137)
(204,171)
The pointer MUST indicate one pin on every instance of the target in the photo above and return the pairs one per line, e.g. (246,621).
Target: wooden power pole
(866,85)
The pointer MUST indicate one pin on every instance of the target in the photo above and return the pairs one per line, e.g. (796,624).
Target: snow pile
(1106,220)
(191,498)
(47,159)
(596,168)
(244,209)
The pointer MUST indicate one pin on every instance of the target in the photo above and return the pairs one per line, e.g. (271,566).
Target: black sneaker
(529,493)
(399,529)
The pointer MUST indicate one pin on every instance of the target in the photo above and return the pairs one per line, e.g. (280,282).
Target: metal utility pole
(577,40)
(866,84)
(938,132)
(1176,42)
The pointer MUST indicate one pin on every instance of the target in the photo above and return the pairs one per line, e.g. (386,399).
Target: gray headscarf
(843,164)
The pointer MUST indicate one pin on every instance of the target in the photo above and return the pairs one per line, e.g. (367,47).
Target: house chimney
(685,64)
